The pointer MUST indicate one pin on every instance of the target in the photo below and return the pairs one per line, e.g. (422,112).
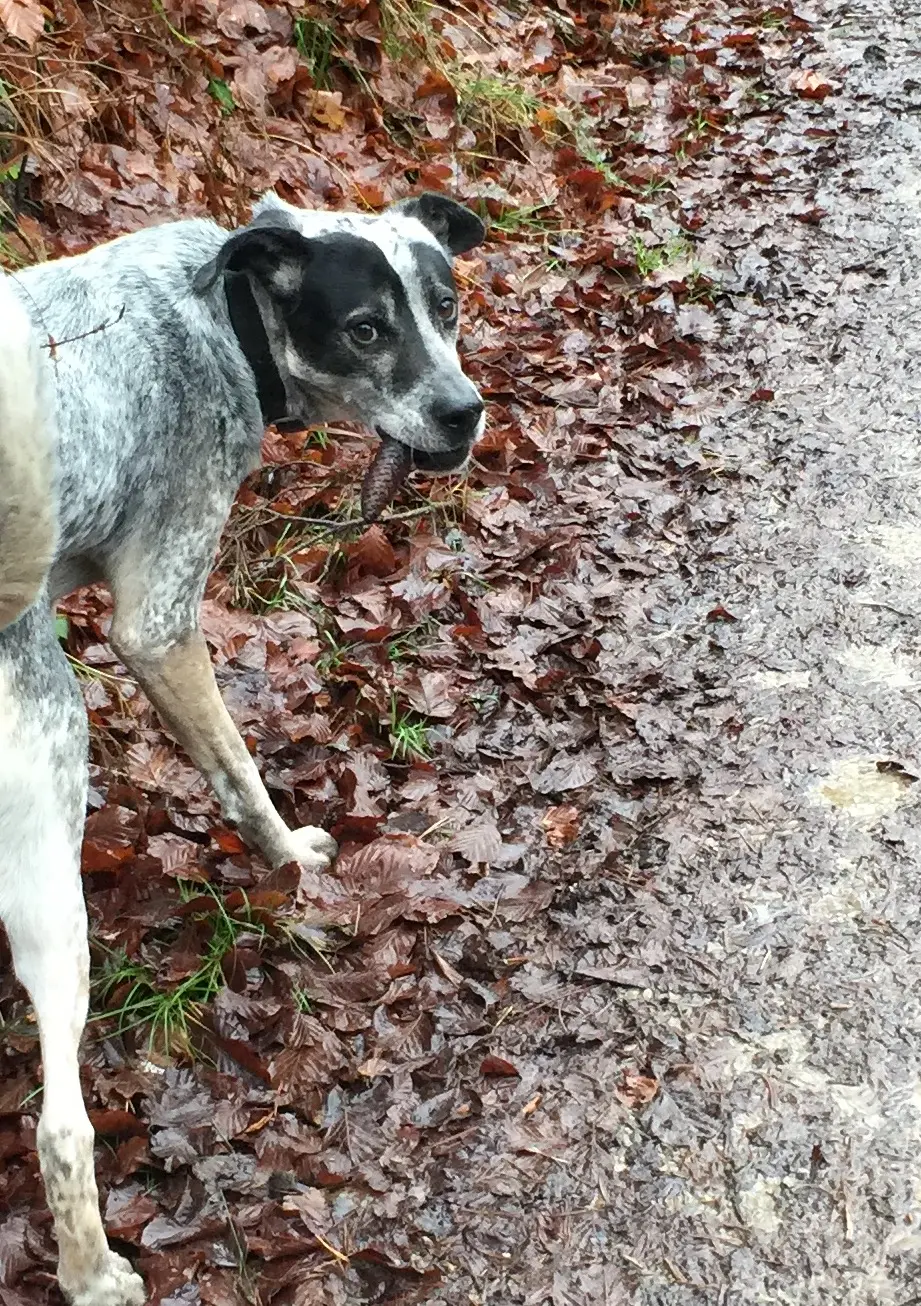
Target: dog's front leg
(180,683)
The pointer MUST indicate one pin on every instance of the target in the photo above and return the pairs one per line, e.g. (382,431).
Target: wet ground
(755,951)
(629,1009)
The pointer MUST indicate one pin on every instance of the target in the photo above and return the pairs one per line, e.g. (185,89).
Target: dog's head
(360,313)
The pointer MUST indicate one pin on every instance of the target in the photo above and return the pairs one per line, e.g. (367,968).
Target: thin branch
(53,345)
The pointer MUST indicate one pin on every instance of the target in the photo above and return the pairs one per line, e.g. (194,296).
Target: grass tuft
(170,1013)
(316,44)
(409,737)
(650,258)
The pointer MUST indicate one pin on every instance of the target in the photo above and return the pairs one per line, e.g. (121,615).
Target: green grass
(497,104)
(491,105)
(698,288)
(407,28)
(171,1013)
(221,92)
(700,125)
(10,257)
(264,578)
(409,643)
(278,593)
(650,258)
(83,671)
(529,218)
(157,6)
(409,737)
(485,704)
(333,655)
(316,44)
(582,132)
(302,1000)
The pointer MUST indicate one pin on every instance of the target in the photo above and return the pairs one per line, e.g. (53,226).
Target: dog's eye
(447,308)
(363,333)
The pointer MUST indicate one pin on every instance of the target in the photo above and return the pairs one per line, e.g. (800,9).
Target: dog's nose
(458,421)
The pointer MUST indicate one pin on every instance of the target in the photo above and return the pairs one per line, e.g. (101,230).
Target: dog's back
(28,517)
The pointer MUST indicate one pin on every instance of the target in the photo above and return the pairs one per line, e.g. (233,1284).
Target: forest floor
(619,735)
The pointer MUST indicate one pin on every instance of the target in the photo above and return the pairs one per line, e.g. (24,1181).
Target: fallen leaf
(499,1067)
(561,825)
(811,85)
(23,19)
(636,1089)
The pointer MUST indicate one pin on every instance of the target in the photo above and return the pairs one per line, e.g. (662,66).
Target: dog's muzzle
(441,462)
(457,423)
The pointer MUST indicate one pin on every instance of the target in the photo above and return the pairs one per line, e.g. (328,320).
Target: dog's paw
(313,847)
(115,1284)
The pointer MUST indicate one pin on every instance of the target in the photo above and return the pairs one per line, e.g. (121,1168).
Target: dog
(136,382)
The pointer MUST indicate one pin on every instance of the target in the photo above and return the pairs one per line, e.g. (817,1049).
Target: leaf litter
(428,1075)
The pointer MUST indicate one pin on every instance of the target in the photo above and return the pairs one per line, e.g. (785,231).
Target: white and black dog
(135,384)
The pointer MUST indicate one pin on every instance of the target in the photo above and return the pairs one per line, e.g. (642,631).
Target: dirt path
(780,1164)
(813,1060)
(766,969)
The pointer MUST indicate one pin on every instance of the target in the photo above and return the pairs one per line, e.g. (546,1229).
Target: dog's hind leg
(42,808)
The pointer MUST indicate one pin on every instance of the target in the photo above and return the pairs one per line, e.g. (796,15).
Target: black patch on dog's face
(361,327)
(348,283)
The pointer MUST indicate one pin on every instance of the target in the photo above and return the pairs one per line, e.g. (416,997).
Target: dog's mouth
(393,463)
(428,460)
(451,460)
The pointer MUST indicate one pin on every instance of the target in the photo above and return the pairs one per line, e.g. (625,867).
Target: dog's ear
(265,249)
(455,227)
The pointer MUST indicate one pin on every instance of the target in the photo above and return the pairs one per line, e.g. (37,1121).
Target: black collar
(246,321)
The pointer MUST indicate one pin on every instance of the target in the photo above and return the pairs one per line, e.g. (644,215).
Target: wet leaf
(22,19)
(498,1066)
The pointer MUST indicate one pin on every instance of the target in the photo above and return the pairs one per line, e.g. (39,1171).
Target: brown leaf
(561,825)
(721,613)
(176,855)
(117,1123)
(128,1210)
(434,83)
(373,552)
(565,772)
(326,108)
(811,85)
(637,1089)
(498,1066)
(233,19)
(478,843)
(431,694)
(23,19)
(13,1255)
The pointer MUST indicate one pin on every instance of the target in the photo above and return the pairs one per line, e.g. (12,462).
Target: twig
(53,345)
(333,1251)
(888,607)
(357,522)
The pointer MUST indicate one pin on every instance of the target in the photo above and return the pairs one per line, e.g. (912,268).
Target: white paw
(313,847)
(116,1284)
